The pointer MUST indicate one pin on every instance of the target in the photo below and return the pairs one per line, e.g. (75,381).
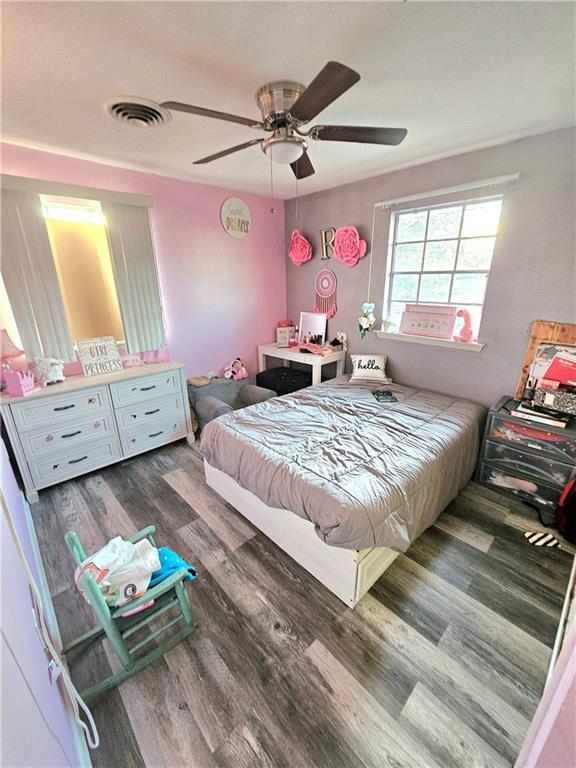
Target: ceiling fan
(286,108)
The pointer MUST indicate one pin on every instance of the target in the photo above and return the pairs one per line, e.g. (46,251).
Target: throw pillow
(369,368)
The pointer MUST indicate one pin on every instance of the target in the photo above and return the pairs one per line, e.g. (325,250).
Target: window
(82,258)
(441,255)
(78,262)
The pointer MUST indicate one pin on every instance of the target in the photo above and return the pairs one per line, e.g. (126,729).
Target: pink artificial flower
(300,249)
(348,247)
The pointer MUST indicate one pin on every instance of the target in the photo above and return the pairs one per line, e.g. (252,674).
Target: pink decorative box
(438,325)
(20,383)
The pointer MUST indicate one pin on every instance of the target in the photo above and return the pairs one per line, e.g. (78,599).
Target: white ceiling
(457,75)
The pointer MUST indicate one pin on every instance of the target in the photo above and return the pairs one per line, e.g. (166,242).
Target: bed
(339,481)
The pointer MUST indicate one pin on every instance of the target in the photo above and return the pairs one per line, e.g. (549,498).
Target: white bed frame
(347,573)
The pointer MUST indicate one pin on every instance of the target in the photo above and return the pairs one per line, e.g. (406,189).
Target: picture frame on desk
(283,335)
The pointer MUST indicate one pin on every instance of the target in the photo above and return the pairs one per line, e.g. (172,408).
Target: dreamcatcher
(325,286)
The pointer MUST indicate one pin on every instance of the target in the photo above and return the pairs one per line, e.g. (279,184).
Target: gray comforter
(365,473)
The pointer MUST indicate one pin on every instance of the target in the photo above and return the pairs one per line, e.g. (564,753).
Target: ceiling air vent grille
(138,113)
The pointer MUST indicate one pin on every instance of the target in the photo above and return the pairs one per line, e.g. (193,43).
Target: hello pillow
(370,368)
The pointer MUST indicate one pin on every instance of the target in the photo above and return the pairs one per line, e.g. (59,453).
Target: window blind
(31,279)
(132,252)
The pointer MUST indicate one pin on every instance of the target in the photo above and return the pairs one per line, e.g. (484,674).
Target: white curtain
(132,252)
(31,279)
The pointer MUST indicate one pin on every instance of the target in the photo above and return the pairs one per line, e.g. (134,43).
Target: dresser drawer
(154,434)
(156,410)
(49,470)
(557,445)
(52,411)
(543,494)
(536,466)
(145,388)
(47,441)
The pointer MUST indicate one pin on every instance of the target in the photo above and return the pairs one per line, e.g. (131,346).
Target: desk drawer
(557,445)
(47,471)
(154,434)
(145,388)
(155,410)
(532,465)
(52,411)
(47,441)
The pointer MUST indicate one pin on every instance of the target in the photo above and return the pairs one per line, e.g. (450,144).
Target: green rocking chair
(118,627)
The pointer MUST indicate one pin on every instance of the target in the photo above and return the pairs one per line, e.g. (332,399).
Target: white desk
(293,354)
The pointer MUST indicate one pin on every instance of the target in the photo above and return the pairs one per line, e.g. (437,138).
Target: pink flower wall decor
(300,249)
(348,247)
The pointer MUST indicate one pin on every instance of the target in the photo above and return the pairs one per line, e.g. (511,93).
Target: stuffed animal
(235,370)
(48,370)
(466,331)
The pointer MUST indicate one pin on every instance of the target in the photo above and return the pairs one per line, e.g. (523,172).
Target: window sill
(463,346)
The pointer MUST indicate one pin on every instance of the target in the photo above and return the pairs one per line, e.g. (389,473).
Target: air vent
(138,113)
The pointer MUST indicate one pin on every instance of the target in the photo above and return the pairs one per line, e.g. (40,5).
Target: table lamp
(8,350)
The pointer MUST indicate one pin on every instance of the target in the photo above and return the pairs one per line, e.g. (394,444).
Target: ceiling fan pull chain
(273,208)
(297,202)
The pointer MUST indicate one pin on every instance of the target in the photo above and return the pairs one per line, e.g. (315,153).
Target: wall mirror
(313,327)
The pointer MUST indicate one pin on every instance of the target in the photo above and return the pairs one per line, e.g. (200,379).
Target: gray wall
(533,274)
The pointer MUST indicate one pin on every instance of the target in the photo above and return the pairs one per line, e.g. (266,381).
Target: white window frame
(392,243)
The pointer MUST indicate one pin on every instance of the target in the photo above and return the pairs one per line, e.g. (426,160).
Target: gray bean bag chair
(221,396)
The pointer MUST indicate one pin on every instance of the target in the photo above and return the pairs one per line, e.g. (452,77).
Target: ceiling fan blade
(225,152)
(357,133)
(179,107)
(303,167)
(330,83)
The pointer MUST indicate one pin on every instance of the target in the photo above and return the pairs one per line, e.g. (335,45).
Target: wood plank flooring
(441,664)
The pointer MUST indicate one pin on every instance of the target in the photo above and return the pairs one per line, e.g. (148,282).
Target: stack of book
(536,413)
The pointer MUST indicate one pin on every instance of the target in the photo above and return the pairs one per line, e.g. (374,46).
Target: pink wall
(222,297)
(36,730)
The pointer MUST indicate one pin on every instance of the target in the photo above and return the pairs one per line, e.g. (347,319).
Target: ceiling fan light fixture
(283,149)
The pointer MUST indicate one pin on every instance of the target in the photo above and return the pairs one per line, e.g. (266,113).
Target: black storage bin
(283,380)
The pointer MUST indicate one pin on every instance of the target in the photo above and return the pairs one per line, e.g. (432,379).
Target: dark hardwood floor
(441,664)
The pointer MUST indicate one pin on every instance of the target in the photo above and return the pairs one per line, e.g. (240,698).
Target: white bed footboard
(347,573)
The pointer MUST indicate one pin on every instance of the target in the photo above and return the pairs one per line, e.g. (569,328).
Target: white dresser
(87,422)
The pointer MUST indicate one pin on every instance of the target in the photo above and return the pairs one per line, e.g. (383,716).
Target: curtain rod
(497,181)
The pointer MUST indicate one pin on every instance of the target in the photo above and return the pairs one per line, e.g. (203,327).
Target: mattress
(364,473)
